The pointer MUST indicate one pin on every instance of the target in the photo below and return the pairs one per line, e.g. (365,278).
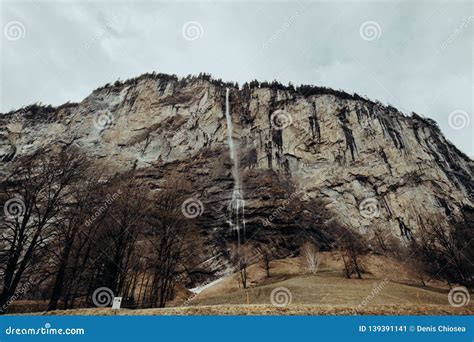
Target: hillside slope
(389,288)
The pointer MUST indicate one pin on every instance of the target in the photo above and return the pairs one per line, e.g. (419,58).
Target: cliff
(372,165)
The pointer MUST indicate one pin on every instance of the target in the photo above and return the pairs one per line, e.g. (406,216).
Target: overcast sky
(416,56)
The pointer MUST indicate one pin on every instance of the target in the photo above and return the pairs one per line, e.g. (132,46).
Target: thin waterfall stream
(237,205)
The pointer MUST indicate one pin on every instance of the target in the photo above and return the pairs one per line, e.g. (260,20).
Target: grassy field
(328,289)
(290,310)
(388,288)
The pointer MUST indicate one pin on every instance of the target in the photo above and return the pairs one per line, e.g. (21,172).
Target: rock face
(373,165)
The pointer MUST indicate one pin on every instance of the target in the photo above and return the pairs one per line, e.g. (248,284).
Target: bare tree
(266,256)
(447,246)
(351,246)
(243,263)
(352,249)
(80,268)
(418,262)
(40,185)
(241,257)
(384,242)
(123,220)
(168,226)
(310,257)
(66,232)
(380,239)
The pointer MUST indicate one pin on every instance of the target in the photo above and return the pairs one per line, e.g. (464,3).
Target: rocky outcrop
(374,166)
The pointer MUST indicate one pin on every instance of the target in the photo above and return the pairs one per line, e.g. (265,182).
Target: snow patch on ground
(201,288)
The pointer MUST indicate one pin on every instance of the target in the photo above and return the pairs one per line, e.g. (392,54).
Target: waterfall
(237,204)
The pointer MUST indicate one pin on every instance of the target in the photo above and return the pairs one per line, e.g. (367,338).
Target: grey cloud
(422,60)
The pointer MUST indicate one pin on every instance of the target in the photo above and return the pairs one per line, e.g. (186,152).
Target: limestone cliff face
(346,149)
